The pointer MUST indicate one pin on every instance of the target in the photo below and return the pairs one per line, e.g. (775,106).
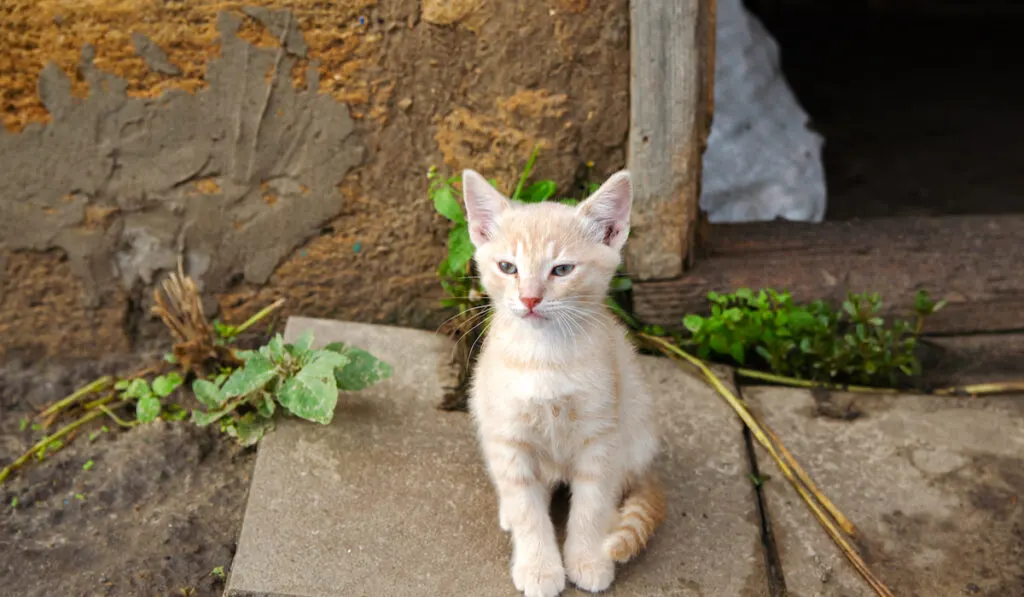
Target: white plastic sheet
(761,162)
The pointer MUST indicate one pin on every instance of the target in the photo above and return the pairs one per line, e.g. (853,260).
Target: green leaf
(147,409)
(245,355)
(621,284)
(257,373)
(174,412)
(203,419)
(249,429)
(266,405)
(443,271)
(165,384)
(313,393)
(88,465)
(801,318)
(362,369)
(302,345)
(208,394)
(276,349)
(138,389)
(447,205)
(693,323)
(737,352)
(223,330)
(122,384)
(460,250)
(542,190)
(719,344)
(570,202)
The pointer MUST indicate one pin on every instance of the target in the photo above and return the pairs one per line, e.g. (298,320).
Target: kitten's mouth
(533,315)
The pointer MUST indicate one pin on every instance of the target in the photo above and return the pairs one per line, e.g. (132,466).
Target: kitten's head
(547,264)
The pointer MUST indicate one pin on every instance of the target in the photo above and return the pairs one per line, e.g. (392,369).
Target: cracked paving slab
(392,497)
(933,484)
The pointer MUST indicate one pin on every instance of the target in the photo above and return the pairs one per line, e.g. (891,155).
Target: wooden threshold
(976,263)
(974,359)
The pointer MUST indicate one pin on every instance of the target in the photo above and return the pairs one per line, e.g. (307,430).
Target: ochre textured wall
(468,83)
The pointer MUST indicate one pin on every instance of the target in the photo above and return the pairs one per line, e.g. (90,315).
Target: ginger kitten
(557,395)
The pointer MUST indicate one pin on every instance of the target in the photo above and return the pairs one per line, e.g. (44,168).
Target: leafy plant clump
(811,341)
(295,378)
(239,389)
(148,397)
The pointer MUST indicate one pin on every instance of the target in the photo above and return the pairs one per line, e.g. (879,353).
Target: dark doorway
(921,106)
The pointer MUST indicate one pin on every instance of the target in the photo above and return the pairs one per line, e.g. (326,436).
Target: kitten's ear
(483,206)
(608,209)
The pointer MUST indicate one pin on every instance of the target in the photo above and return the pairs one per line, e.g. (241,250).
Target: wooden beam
(962,360)
(974,262)
(671,92)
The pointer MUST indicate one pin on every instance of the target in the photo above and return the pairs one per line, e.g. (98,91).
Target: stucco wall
(138,132)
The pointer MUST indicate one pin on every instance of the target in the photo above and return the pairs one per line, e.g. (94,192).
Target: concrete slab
(933,485)
(392,498)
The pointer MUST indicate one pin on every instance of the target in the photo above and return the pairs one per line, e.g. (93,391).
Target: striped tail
(642,511)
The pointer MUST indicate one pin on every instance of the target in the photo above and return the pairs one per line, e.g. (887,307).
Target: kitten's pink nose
(530,302)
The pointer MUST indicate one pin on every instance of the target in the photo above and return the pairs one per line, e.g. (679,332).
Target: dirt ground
(157,512)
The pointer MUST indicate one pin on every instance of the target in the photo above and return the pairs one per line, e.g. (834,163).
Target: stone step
(392,498)
(934,485)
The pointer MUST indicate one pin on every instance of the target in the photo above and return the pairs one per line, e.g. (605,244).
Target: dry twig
(815,500)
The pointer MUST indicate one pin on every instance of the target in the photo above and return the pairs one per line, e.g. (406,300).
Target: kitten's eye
(507,268)
(563,270)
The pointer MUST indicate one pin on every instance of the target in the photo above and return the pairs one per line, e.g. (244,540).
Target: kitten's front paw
(537,577)
(590,573)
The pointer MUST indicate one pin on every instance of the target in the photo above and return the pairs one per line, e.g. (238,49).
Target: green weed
(294,377)
(811,341)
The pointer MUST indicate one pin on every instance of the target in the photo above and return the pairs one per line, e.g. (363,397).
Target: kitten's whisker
(472,322)
(465,335)
(460,314)
(479,337)
(589,317)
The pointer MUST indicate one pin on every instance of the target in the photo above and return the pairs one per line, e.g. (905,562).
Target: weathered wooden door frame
(976,263)
(672,52)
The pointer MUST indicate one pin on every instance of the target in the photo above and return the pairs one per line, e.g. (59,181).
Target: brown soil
(159,509)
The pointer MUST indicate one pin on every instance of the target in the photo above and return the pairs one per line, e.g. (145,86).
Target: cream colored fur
(557,396)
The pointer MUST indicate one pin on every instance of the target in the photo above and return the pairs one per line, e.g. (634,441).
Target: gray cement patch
(393,499)
(154,55)
(931,483)
(112,180)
